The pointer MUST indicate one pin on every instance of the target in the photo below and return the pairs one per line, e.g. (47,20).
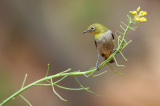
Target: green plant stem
(24,81)
(44,79)
(121,44)
(25,100)
(75,73)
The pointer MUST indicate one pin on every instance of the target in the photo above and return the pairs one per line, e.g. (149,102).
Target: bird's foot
(114,50)
(97,66)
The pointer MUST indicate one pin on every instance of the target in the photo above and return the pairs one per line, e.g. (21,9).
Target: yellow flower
(142,13)
(138,9)
(139,17)
(142,19)
(133,12)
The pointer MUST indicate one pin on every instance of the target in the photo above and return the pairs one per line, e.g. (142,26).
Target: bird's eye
(92,28)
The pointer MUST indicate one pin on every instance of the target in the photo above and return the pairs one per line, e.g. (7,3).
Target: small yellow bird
(103,40)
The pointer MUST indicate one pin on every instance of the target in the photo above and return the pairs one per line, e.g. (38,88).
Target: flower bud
(133,12)
(142,13)
(138,9)
(143,19)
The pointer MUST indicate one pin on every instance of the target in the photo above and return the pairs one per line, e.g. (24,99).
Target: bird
(103,40)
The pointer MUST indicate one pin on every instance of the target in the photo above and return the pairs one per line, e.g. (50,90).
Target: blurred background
(34,33)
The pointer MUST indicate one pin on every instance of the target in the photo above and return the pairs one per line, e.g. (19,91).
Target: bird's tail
(111,61)
(107,54)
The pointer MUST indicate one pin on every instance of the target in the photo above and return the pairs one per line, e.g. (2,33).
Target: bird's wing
(113,36)
(96,43)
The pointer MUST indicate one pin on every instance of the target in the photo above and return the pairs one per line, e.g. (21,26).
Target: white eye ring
(92,28)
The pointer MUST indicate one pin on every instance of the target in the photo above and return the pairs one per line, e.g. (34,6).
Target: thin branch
(115,71)
(44,84)
(122,27)
(127,44)
(123,56)
(56,92)
(120,32)
(132,28)
(114,44)
(73,89)
(83,87)
(129,18)
(117,63)
(100,74)
(60,79)
(24,81)
(65,71)
(124,23)
(62,87)
(25,100)
(47,71)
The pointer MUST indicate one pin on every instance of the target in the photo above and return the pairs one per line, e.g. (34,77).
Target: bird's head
(96,29)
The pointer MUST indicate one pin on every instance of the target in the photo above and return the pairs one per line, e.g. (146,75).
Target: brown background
(34,33)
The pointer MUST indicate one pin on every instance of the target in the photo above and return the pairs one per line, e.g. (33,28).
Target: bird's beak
(86,31)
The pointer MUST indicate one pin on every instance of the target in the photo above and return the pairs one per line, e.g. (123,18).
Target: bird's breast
(105,44)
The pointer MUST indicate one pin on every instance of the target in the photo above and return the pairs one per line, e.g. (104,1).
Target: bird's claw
(114,50)
(97,66)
